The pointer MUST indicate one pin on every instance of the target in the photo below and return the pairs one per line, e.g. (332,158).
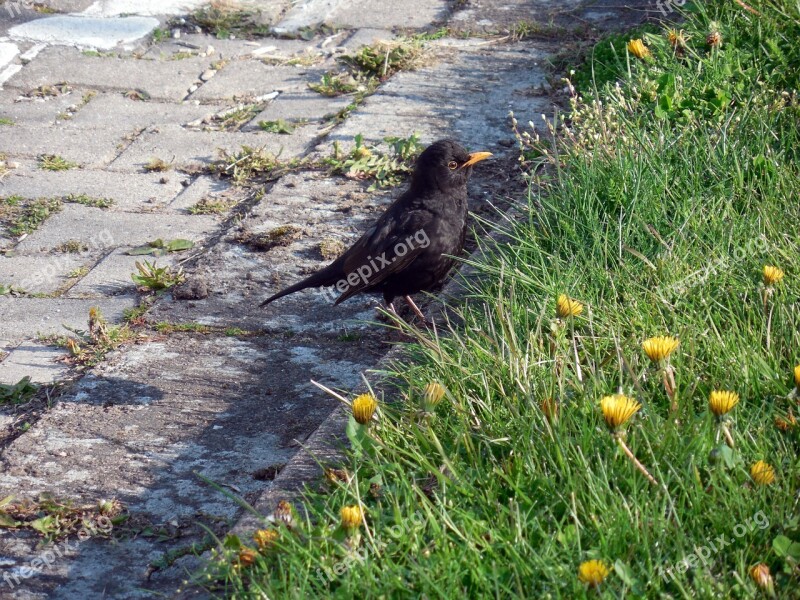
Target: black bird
(410,248)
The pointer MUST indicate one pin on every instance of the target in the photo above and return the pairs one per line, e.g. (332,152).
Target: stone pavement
(110,85)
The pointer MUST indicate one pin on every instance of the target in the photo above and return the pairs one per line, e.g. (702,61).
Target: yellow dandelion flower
(762,473)
(762,577)
(722,402)
(797,377)
(264,538)
(618,409)
(568,307)
(433,394)
(659,348)
(593,572)
(364,407)
(352,516)
(772,275)
(247,556)
(638,49)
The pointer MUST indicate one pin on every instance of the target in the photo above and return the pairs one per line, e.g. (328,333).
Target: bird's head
(445,165)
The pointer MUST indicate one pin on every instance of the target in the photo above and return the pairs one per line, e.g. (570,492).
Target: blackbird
(411,247)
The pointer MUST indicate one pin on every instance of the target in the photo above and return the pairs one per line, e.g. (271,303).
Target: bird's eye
(453,165)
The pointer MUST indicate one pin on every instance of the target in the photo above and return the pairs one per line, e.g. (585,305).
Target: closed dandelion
(432,395)
(762,473)
(797,377)
(550,409)
(593,572)
(364,407)
(568,307)
(638,49)
(351,516)
(762,578)
(247,557)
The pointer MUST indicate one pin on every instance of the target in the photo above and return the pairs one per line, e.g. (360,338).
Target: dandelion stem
(769,325)
(727,433)
(669,387)
(636,462)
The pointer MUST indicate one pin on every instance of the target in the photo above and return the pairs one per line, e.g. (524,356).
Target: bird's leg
(416,309)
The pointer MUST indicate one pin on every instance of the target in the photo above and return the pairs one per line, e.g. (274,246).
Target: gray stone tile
(244,79)
(40,273)
(133,114)
(192,148)
(130,191)
(35,360)
(105,229)
(27,318)
(301,105)
(162,80)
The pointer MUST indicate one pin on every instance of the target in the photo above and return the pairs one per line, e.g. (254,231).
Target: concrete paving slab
(203,187)
(112,275)
(195,149)
(73,30)
(133,114)
(8,51)
(304,104)
(230,49)
(102,229)
(35,360)
(35,111)
(244,79)
(161,80)
(90,147)
(130,191)
(40,273)
(387,14)
(115,8)
(367,37)
(27,318)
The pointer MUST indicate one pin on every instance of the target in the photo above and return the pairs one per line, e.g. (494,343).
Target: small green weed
(154,278)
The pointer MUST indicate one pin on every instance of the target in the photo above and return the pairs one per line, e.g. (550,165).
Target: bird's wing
(376,256)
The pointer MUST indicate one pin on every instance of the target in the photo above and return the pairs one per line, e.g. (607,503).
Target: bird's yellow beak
(476,157)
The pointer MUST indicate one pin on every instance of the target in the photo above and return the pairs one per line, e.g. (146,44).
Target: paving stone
(91,147)
(366,37)
(356,14)
(40,111)
(130,191)
(134,114)
(194,149)
(229,49)
(112,275)
(34,360)
(161,80)
(40,273)
(300,105)
(103,34)
(7,53)
(203,187)
(103,229)
(244,79)
(27,318)
(115,8)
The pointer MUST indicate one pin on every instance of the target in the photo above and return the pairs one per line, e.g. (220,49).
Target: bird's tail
(326,276)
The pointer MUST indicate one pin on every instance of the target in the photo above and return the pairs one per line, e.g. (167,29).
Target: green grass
(53,162)
(659,222)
